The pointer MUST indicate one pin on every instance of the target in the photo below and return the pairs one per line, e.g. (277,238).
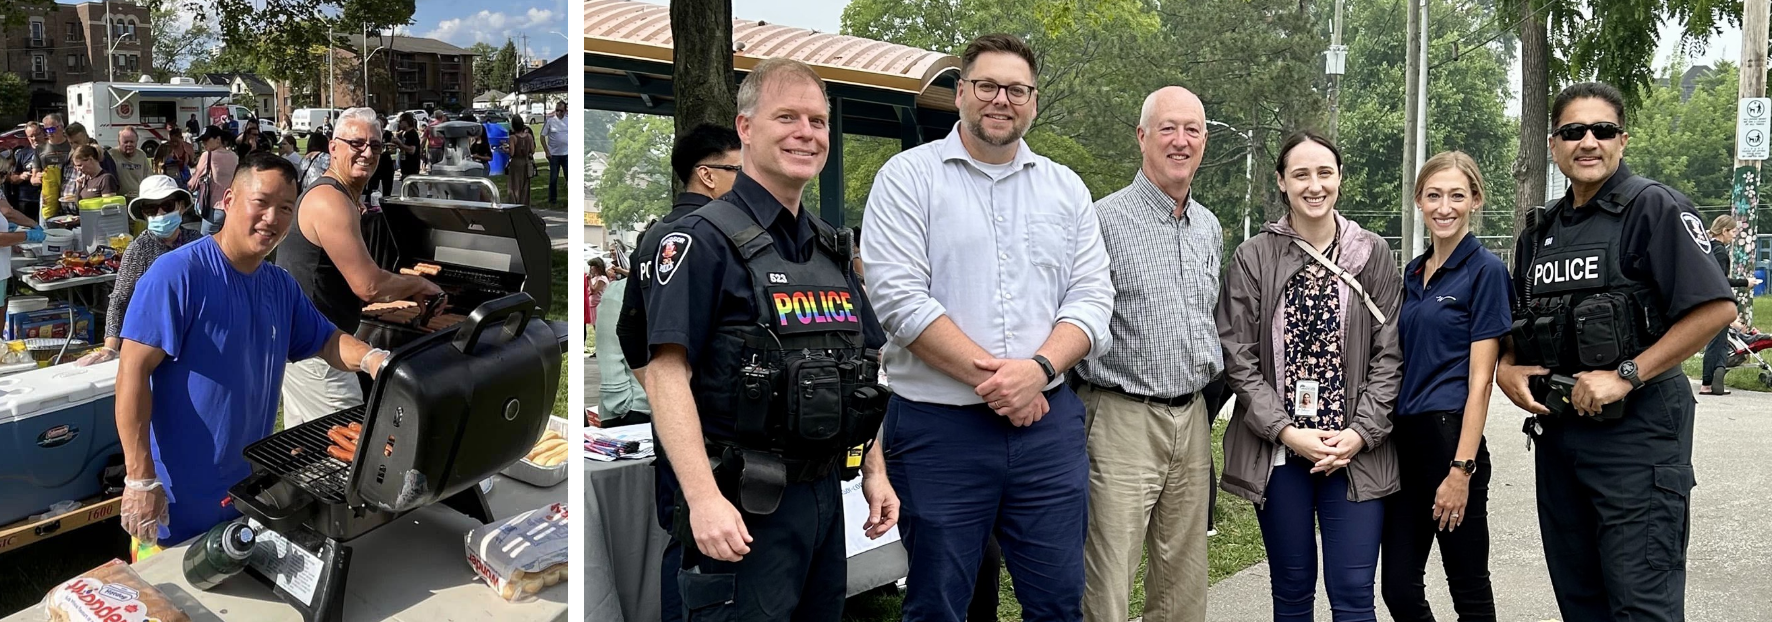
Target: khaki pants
(1149,487)
(313,389)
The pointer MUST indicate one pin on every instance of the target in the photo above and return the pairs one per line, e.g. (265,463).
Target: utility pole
(331,71)
(1335,66)
(1425,35)
(1747,172)
(110,47)
(1410,137)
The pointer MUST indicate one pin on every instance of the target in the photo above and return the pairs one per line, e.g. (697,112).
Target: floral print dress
(1312,338)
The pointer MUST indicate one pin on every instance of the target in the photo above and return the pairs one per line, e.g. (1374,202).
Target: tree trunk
(702,83)
(702,80)
(1529,165)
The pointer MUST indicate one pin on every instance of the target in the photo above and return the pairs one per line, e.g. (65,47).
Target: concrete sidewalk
(1729,565)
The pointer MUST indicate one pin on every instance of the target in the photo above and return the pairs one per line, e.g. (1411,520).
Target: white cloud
(492,27)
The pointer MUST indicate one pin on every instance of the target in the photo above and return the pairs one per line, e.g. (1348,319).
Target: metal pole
(365,63)
(1410,137)
(1248,180)
(331,72)
(110,48)
(1747,173)
(1335,79)
(1415,229)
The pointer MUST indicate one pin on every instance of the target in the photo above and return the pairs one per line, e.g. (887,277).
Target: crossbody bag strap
(1345,278)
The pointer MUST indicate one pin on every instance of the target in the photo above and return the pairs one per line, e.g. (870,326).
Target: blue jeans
(1297,502)
(556,172)
(213,223)
(965,473)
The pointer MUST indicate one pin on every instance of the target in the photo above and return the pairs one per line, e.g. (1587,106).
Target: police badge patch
(1695,228)
(671,251)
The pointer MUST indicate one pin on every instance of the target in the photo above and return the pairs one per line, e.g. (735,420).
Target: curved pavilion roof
(642,31)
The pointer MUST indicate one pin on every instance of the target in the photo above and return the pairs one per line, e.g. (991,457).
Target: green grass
(1746,377)
(557,311)
(1237,546)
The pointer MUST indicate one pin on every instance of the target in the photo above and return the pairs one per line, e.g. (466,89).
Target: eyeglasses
(986,91)
(724,167)
(1577,131)
(359,144)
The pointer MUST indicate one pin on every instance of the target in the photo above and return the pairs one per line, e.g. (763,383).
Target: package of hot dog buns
(522,555)
(112,592)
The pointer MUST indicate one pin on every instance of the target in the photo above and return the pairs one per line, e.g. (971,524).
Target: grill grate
(298,455)
(482,278)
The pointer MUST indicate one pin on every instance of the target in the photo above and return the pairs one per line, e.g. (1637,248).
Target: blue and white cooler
(58,428)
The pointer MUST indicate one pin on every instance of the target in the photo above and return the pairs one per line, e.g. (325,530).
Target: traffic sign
(1753,129)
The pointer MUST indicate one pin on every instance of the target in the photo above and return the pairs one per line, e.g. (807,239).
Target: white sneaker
(1211,532)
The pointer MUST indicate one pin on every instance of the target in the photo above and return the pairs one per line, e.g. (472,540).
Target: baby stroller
(1745,345)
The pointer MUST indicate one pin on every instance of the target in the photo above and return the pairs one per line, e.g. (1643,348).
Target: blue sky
(464,22)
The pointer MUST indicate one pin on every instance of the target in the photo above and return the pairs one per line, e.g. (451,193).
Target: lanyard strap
(1345,277)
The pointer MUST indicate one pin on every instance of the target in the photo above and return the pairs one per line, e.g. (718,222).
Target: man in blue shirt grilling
(205,342)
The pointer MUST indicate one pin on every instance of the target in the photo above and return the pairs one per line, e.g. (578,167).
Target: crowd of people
(198,378)
(1055,363)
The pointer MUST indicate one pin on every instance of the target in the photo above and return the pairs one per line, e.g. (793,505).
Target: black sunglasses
(1576,131)
(724,167)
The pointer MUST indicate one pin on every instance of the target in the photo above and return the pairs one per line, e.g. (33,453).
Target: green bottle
(219,554)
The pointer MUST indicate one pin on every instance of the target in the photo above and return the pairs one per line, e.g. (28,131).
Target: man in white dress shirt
(985,264)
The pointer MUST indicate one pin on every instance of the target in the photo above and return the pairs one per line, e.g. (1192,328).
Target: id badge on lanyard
(1306,398)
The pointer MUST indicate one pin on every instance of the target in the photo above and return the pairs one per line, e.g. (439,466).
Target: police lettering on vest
(800,385)
(1580,311)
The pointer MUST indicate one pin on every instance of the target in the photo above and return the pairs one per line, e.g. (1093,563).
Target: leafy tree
(1253,62)
(1688,143)
(503,69)
(1465,112)
(1611,41)
(636,184)
(15,13)
(484,56)
(15,98)
(176,46)
(284,37)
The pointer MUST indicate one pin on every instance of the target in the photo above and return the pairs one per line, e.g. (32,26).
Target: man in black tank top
(326,254)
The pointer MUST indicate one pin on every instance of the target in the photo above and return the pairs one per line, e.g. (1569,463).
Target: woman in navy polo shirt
(1456,306)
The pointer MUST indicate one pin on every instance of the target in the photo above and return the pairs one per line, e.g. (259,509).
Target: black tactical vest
(1579,312)
(799,383)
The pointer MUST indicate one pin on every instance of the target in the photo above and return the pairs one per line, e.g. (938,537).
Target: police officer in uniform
(706,161)
(1616,287)
(763,373)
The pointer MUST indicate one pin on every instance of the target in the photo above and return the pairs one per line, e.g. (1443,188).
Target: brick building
(408,73)
(66,44)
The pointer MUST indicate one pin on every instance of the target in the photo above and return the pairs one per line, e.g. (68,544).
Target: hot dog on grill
(339,452)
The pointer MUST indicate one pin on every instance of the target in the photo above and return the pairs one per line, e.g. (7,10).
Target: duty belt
(759,477)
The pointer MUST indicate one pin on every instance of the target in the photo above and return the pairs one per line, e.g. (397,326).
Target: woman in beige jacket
(1307,321)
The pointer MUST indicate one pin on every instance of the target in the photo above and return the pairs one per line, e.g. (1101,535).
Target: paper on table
(628,442)
(291,567)
(855,514)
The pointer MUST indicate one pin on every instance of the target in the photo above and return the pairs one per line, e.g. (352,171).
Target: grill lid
(503,248)
(457,406)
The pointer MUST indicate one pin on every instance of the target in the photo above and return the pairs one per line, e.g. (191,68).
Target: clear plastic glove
(144,509)
(96,356)
(35,235)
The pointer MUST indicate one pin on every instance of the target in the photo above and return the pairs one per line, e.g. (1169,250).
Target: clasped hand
(1328,451)
(1015,389)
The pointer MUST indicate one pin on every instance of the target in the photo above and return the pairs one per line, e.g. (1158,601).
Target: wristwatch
(1046,366)
(1628,371)
(1468,466)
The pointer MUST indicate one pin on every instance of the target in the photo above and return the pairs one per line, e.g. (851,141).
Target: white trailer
(105,108)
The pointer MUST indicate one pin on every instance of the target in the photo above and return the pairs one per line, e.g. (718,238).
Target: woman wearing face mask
(164,207)
(1307,316)
(1457,303)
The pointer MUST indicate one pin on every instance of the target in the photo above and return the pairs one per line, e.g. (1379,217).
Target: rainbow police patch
(813,309)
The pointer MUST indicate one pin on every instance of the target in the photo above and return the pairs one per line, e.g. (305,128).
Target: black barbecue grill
(484,250)
(449,410)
